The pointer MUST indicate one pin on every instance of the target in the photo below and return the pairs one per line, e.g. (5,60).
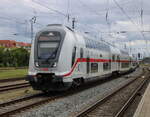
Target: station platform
(143,109)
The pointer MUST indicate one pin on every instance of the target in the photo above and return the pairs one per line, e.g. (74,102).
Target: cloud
(90,15)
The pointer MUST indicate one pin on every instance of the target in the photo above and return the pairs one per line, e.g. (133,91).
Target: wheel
(78,81)
(44,91)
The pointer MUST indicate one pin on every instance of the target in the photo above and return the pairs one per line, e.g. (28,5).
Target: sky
(124,23)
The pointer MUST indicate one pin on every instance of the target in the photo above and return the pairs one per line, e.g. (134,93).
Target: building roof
(13,43)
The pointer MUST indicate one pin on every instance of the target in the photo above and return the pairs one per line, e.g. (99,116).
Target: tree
(13,57)
(1,56)
(20,57)
(7,57)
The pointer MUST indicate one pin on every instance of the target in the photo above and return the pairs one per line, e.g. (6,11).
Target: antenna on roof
(73,23)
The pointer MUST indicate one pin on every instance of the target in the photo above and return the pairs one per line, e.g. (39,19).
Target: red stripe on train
(91,60)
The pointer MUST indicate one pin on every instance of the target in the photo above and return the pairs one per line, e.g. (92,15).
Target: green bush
(1,56)
(15,57)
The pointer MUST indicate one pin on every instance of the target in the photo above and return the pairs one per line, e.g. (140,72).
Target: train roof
(114,50)
(124,52)
(61,26)
(90,41)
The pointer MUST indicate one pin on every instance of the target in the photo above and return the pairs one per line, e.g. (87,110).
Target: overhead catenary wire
(57,11)
(102,11)
(107,16)
(90,9)
(67,15)
(68,8)
(106,12)
(130,19)
(98,31)
(141,13)
(10,19)
(17,21)
(97,13)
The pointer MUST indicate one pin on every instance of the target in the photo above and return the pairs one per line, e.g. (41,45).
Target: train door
(130,62)
(81,65)
(88,65)
(73,55)
(113,62)
(110,62)
(118,61)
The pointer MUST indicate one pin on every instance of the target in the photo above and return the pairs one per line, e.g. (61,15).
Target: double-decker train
(61,57)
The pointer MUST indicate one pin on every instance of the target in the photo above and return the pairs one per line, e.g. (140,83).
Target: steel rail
(31,105)
(131,99)
(12,79)
(39,102)
(11,85)
(15,86)
(20,99)
(102,100)
(23,107)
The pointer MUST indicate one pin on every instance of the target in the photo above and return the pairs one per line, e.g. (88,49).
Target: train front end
(44,59)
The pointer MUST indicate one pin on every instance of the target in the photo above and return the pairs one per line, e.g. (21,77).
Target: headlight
(54,64)
(36,64)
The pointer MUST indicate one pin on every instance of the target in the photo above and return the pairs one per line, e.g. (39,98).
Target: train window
(73,55)
(90,44)
(113,57)
(118,60)
(124,65)
(45,36)
(81,52)
(130,60)
(94,67)
(96,45)
(87,43)
(48,43)
(134,63)
(106,66)
(47,50)
(88,65)
(100,55)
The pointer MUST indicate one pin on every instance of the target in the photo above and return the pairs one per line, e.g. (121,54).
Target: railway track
(22,104)
(13,86)
(94,109)
(11,79)
(15,106)
(129,101)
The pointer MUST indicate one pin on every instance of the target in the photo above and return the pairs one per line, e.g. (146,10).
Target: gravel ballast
(63,107)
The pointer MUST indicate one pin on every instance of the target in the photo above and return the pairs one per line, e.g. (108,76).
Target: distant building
(14,44)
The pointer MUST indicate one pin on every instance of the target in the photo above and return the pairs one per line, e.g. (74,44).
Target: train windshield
(48,44)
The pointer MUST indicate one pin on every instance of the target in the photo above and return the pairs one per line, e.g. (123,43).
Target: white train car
(61,58)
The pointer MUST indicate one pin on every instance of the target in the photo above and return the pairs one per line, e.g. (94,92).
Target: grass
(13,73)
(145,65)
(6,96)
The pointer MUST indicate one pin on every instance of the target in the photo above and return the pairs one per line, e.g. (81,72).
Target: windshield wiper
(53,54)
